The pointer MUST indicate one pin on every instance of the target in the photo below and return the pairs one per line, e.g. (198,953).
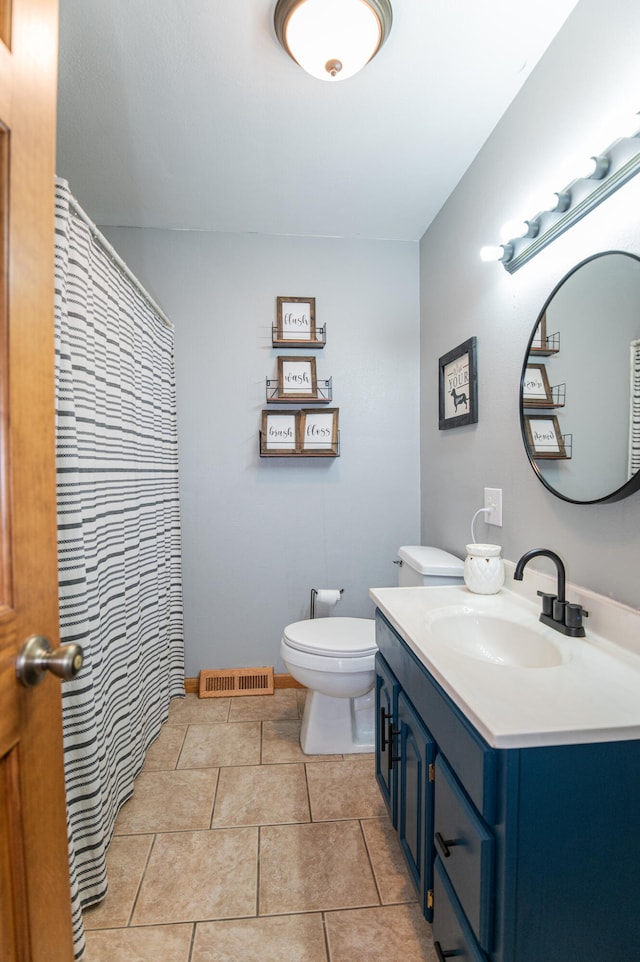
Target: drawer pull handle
(384,715)
(442,954)
(445,844)
(391,757)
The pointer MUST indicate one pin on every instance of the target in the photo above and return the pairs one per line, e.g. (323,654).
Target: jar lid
(484,550)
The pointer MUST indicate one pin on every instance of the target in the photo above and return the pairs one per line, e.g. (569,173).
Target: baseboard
(286,681)
(192,685)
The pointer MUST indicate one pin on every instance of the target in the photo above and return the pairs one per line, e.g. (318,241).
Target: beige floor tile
(280,938)
(282,704)
(163,754)
(311,867)
(169,802)
(196,876)
(126,861)
(385,934)
(389,867)
(201,711)
(159,943)
(261,795)
(281,743)
(345,789)
(206,746)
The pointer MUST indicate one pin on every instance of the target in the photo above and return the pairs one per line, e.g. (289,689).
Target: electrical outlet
(493,500)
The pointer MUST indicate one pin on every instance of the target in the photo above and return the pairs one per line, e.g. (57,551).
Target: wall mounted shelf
(307,433)
(550,346)
(315,343)
(558,397)
(323,395)
(565,454)
(266,453)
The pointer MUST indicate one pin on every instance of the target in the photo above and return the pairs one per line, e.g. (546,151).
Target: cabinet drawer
(466,848)
(451,933)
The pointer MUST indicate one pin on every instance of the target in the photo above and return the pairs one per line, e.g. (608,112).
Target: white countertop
(592,696)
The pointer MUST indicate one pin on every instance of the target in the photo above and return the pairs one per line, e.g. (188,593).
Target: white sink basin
(482,649)
(492,638)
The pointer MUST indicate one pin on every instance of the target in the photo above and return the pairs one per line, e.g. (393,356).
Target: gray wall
(259,533)
(589,72)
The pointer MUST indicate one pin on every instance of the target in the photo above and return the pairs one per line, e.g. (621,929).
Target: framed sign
(535,386)
(280,432)
(544,437)
(296,320)
(297,377)
(319,431)
(458,386)
(539,339)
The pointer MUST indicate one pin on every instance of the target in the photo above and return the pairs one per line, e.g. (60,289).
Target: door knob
(36,658)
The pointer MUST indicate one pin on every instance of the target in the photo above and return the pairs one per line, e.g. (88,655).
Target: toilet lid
(343,637)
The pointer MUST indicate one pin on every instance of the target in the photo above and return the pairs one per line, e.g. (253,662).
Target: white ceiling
(187,114)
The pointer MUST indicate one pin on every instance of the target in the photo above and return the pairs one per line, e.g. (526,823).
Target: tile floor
(236,847)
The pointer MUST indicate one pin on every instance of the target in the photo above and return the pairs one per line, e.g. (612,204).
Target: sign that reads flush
(296,319)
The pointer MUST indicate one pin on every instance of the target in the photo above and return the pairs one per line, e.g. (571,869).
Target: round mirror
(580,385)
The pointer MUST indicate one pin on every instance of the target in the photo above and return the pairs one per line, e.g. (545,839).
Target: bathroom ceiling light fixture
(603,174)
(332,39)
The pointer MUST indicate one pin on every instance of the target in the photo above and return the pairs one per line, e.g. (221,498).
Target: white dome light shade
(332,39)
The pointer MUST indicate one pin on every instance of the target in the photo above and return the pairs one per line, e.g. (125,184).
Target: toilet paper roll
(328,596)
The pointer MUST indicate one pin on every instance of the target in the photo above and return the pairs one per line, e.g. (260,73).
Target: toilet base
(338,726)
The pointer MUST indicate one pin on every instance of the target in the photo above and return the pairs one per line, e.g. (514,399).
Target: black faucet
(556,611)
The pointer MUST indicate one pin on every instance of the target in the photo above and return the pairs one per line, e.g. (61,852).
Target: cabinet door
(416,751)
(386,708)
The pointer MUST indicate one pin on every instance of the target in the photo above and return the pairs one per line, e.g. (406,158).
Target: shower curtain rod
(113,255)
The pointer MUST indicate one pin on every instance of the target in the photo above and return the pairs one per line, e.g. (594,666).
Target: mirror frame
(630,486)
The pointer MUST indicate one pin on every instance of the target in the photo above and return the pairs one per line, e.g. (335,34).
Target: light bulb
(499,252)
(333,39)
(514,229)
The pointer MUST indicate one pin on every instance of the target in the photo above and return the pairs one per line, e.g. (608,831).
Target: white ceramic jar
(484,569)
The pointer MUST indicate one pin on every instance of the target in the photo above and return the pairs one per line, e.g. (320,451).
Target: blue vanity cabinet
(534,852)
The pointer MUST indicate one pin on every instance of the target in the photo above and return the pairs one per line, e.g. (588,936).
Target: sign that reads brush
(279,432)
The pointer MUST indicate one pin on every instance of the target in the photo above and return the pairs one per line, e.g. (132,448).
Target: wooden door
(35,907)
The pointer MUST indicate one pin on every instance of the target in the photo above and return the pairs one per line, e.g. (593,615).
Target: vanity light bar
(604,173)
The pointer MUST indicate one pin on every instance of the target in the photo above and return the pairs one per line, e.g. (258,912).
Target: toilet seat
(332,637)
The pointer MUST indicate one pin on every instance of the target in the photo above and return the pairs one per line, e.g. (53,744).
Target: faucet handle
(547,602)
(574,615)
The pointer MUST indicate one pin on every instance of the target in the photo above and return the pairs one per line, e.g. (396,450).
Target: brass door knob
(36,658)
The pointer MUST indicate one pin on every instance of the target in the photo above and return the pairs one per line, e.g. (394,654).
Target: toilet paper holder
(333,600)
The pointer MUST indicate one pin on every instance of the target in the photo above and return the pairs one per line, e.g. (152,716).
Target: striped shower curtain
(118,535)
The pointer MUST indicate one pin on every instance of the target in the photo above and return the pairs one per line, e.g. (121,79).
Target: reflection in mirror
(581,383)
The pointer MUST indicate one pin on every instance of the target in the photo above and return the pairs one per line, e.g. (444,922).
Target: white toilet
(334,658)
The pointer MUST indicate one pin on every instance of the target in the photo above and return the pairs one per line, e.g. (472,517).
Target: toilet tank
(420,565)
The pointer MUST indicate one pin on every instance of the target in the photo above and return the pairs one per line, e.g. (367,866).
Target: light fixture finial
(332,39)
